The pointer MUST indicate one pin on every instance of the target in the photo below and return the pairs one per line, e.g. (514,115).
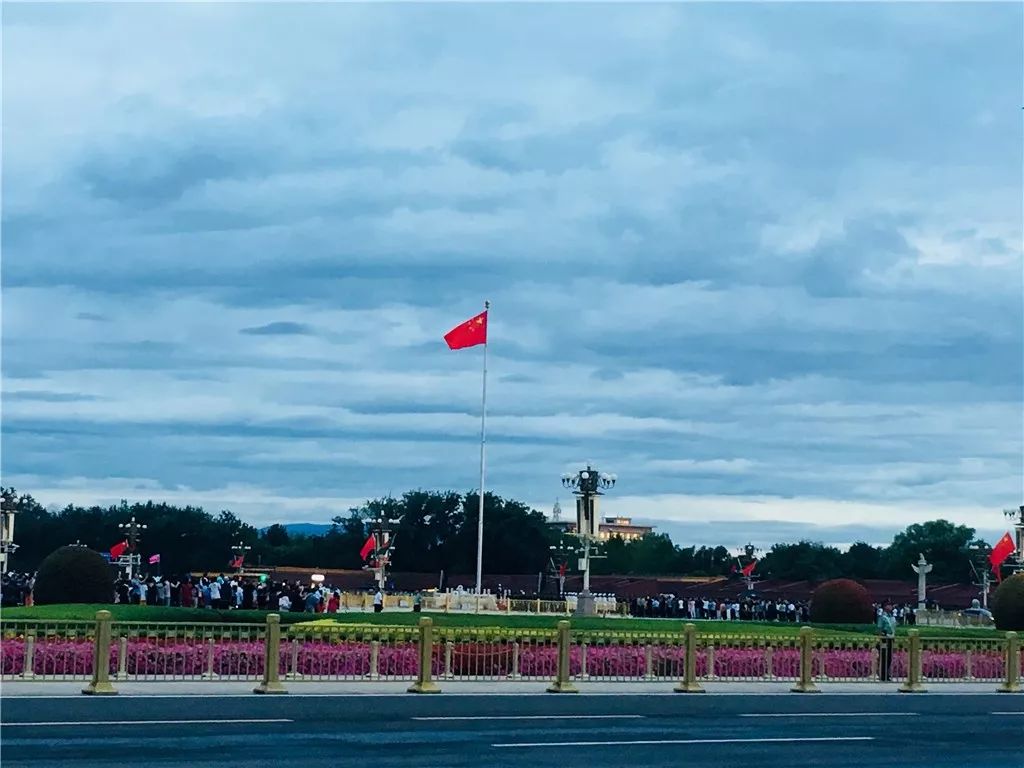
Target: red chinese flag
(749,567)
(237,562)
(118,549)
(1002,550)
(469,334)
(368,546)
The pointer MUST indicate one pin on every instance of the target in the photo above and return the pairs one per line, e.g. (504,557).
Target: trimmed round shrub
(841,601)
(74,575)
(1008,603)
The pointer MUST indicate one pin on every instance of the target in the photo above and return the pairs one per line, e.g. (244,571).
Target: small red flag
(237,562)
(118,549)
(749,568)
(368,546)
(469,334)
(1002,550)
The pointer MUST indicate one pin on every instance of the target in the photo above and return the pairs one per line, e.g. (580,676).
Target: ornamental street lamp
(238,551)
(749,553)
(587,485)
(383,548)
(133,529)
(1017,515)
(8,509)
(978,552)
(560,555)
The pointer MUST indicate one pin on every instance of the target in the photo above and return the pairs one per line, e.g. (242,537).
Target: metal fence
(171,651)
(104,650)
(350,652)
(46,650)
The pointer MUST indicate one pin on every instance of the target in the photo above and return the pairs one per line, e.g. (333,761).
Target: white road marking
(152,722)
(534,717)
(1007,713)
(794,740)
(832,714)
(127,693)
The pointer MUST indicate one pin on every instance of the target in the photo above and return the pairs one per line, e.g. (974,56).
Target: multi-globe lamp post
(1017,518)
(8,509)
(239,552)
(587,484)
(383,547)
(133,531)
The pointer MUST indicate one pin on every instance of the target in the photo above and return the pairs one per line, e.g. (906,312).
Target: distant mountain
(306,529)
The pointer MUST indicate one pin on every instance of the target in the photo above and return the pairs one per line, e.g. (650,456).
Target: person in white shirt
(284,603)
(378,602)
(215,593)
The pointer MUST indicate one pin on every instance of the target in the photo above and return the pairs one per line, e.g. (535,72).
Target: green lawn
(405,618)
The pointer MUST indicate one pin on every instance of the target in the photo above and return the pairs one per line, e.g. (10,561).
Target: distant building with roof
(622,527)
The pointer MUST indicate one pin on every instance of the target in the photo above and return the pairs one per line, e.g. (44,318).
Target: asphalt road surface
(929,731)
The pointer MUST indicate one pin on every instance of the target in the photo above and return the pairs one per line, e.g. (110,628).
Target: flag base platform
(586,605)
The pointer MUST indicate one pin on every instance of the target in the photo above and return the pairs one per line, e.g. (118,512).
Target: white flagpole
(483,467)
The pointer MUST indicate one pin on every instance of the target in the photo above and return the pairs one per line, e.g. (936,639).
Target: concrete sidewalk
(16,689)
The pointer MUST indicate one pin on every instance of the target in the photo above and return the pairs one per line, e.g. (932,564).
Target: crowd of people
(780,609)
(226,592)
(233,591)
(670,606)
(17,588)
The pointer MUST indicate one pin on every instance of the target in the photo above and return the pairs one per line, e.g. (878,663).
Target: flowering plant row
(484,660)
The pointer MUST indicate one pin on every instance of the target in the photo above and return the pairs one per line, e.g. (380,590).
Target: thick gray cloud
(279,328)
(763,253)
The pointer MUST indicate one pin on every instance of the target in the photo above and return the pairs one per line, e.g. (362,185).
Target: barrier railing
(106,652)
(749,658)
(494,653)
(349,652)
(849,659)
(607,655)
(46,650)
(168,650)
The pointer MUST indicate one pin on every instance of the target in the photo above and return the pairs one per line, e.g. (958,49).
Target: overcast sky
(764,263)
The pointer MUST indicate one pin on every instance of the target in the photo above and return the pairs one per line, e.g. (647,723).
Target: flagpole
(483,467)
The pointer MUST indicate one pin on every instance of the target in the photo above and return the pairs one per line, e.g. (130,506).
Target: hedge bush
(841,601)
(74,575)
(1008,603)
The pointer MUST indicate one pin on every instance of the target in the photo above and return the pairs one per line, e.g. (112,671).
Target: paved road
(519,730)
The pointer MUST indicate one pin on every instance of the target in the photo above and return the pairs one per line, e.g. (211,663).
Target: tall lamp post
(1017,515)
(587,485)
(133,529)
(749,553)
(383,547)
(8,509)
(239,551)
(978,558)
(560,555)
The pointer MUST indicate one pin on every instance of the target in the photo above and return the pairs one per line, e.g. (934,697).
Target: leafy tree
(276,535)
(942,543)
(862,561)
(803,560)
(616,557)
(437,533)
(516,538)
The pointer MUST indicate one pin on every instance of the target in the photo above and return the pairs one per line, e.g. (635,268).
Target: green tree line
(437,532)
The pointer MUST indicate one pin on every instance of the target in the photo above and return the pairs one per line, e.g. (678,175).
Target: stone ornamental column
(922,569)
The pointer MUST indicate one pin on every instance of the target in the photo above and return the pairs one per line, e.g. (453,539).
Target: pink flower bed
(487,660)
